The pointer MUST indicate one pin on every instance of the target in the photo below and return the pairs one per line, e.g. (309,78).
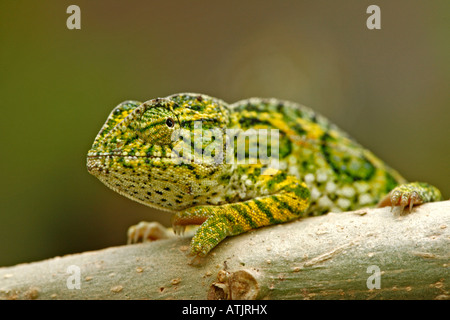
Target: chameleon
(179,154)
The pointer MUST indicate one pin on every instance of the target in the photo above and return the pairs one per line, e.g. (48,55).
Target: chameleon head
(148,151)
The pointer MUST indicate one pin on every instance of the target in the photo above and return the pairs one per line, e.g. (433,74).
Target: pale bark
(326,257)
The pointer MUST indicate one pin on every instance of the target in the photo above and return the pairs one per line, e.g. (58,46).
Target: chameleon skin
(320,168)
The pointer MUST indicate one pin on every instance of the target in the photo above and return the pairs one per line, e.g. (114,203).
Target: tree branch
(335,256)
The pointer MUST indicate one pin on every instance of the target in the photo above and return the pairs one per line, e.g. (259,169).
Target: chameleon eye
(170,123)
(156,125)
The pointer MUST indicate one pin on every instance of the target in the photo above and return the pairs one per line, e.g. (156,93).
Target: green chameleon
(175,154)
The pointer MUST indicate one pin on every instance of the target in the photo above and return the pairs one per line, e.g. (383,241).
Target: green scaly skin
(320,167)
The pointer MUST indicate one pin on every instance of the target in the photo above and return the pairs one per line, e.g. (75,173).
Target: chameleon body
(319,168)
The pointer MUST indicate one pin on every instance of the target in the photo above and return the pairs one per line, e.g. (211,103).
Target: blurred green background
(388,88)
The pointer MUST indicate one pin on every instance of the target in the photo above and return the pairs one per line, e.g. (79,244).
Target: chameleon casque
(319,168)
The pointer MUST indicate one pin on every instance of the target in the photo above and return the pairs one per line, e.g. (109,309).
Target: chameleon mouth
(100,163)
(128,157)
(91,158)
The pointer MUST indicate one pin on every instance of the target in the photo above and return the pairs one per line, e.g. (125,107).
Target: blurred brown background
(388,88)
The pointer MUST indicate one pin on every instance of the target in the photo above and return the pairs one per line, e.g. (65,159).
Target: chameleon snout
(95,166)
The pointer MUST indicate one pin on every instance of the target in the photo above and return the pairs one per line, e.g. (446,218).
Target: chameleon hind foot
(147,231)
(410,194)
(210,234)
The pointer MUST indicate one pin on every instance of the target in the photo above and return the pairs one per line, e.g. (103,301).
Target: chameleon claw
(179,229)
(394,198)
(414,199)
(197,260)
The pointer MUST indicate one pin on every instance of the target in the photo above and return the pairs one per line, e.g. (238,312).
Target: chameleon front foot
(410,194)
(209,235)
(214,227)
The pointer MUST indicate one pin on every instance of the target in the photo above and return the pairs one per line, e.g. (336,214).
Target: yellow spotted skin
(319,168)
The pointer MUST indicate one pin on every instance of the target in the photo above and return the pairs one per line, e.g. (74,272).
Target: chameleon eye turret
(319,167)
(156,124)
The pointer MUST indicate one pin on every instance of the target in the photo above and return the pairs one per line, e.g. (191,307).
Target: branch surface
(364,254)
